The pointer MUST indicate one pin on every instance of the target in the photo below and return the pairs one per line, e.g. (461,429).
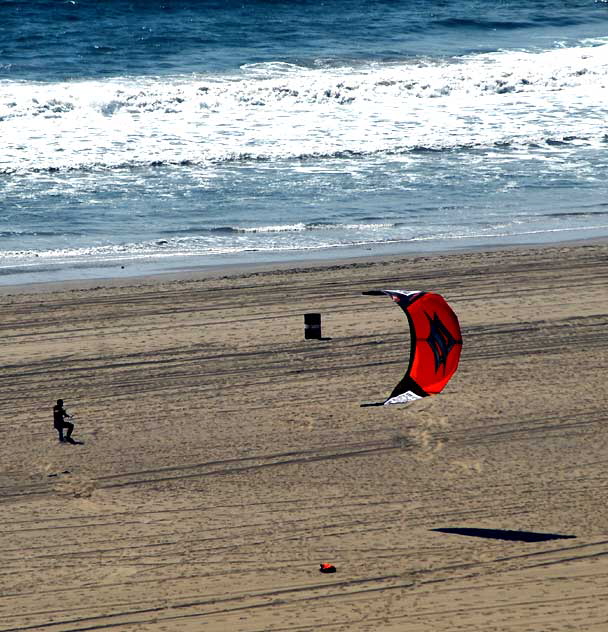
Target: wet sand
(225,457)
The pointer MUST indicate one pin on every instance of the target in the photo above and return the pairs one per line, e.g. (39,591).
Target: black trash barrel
(312,326)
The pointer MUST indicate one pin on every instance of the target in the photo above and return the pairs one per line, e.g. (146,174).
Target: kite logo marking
(440,340)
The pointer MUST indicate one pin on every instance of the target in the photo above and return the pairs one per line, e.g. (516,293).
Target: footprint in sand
(75,487)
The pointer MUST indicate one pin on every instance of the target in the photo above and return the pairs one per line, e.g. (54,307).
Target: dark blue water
(61,41)
(168,134)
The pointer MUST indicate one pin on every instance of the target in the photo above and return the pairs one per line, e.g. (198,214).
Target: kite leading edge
(436,343)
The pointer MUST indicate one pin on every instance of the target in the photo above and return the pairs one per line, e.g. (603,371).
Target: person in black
(59,415)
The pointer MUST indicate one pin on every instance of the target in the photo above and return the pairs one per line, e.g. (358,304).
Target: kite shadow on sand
(504,534)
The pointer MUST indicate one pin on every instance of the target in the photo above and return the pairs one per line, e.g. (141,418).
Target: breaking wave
(274,112)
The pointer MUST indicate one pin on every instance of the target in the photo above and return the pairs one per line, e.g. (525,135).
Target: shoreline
(217,270)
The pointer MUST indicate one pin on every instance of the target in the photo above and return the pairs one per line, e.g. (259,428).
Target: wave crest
(280,111)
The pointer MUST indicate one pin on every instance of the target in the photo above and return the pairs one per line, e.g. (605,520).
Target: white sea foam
(278,111)
(282,228)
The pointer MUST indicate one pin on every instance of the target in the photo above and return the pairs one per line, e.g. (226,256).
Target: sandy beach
(225,457)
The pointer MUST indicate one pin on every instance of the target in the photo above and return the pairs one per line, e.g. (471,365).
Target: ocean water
(148,136)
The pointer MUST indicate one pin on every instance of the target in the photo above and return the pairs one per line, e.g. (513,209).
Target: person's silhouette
(59,415)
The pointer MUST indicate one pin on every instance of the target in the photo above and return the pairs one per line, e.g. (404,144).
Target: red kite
(435,348)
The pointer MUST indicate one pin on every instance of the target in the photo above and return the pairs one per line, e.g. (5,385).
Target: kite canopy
(436,344)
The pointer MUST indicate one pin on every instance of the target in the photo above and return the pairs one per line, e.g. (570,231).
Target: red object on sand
(327,568)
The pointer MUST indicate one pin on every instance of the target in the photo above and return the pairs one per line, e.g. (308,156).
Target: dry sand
(225,457)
